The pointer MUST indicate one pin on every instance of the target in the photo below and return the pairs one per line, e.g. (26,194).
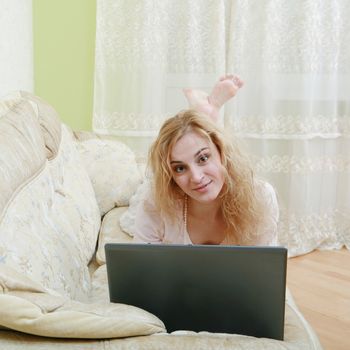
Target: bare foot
(224,89)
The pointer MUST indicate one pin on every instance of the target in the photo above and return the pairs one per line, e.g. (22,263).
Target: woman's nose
(196,174)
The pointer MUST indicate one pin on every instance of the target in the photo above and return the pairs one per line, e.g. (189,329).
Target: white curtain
(293,113)
(146,52)
(16,46)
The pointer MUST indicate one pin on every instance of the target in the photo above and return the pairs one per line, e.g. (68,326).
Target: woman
(203,190)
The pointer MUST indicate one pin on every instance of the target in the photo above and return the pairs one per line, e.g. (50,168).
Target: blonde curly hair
(240,205)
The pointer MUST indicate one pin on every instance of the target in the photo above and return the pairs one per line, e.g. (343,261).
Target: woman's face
(196,167)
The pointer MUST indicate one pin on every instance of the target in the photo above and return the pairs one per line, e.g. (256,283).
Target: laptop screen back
(224,289)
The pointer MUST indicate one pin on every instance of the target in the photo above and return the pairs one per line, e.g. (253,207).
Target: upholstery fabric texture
(115,187)
(53,210)
(61,198)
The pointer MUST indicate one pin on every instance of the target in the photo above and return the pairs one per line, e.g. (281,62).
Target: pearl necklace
(185,208)
(185,211)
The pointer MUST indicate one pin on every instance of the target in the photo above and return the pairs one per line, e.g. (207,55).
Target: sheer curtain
(16,46)
(146,52)
(293,114)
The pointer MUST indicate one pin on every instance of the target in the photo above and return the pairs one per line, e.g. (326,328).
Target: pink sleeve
(149,227)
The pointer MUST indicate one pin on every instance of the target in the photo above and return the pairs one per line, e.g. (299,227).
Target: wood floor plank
(320,284)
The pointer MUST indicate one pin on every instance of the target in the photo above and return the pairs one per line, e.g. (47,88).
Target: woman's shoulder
(140,202)
(267,196)
(145,195)
(144,198)
(266,231)
(264,189)
(144,221)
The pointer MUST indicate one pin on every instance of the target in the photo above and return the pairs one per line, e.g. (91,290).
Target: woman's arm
(149,227)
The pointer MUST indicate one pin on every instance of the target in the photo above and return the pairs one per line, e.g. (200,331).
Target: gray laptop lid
(225,289)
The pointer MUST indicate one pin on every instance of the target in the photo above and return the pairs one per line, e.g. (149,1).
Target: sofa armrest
(111,166)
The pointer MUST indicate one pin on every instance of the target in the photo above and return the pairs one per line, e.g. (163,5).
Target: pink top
(150,227)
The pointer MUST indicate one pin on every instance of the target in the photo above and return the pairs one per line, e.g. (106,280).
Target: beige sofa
(61,196)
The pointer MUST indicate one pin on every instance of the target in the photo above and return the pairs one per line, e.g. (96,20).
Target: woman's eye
(179,169)
(203,158)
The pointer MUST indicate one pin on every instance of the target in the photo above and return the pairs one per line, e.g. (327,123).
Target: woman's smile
(203,188)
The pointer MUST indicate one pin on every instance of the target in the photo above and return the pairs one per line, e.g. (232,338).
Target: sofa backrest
(49,218)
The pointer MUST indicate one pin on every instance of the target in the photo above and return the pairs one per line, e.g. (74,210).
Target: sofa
(62,194)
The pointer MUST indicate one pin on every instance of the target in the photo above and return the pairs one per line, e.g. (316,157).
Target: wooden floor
(320,284)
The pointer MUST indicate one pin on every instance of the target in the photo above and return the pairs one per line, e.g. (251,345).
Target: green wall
(64,48)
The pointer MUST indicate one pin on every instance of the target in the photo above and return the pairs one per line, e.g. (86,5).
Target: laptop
(221,289)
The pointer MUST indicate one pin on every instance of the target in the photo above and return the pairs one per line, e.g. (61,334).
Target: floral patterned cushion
(112,168)
(49,216)
(28,307)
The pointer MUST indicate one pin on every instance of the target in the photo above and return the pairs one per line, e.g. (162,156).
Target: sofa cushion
(49,216)
(111,232)
(22,148)
(28,307)
(48,119)
(112,168)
